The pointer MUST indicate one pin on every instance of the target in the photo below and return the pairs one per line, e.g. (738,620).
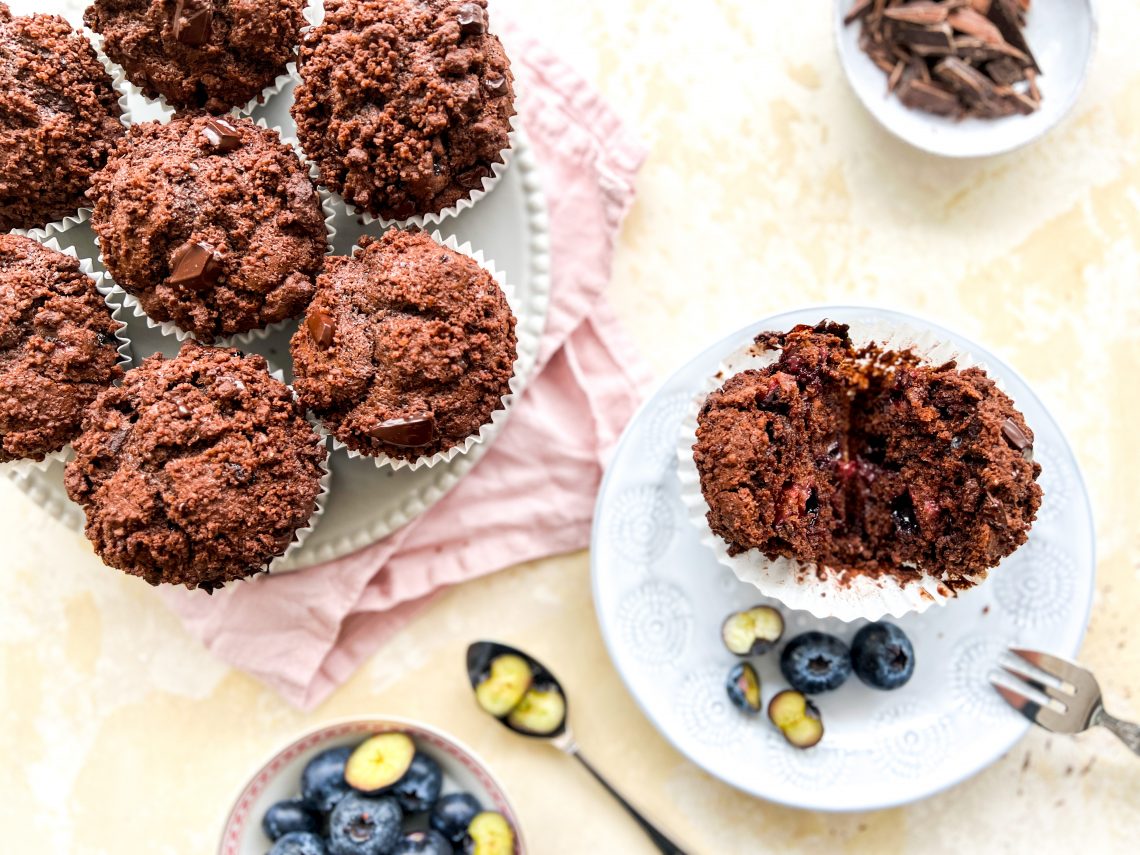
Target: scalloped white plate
(367,503)
(661,597)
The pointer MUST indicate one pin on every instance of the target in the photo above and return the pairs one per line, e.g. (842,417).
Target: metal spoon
(479,658)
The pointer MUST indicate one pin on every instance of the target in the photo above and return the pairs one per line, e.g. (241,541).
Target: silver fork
(1072,700)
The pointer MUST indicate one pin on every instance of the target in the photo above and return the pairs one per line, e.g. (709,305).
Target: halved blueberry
(743,688)
(379,762)
(797,719)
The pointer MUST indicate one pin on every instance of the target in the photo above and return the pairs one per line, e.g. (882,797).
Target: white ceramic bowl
(1062,35)
(280,777)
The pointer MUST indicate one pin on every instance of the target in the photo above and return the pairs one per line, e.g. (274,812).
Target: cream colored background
(767,187)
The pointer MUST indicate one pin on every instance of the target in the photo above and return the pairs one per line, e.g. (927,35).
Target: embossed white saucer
(661,597)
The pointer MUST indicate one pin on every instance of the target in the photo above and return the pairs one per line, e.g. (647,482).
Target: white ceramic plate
(661,597)
(280,777)
(366,503)
(1061,34)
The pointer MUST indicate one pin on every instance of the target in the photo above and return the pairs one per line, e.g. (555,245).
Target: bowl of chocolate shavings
(966,78)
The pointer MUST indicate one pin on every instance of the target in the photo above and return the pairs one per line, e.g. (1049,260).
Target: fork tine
(1059,668)
(1045,716)
(1024,675)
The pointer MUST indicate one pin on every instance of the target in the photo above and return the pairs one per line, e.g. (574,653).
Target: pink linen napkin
(532,494)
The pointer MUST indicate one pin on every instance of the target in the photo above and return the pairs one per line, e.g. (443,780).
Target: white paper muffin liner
(507,401)
(166,111)
(21,467)
(302,534)
(172,330)
(822,591)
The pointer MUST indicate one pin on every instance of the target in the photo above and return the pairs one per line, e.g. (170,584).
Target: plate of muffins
(817,539)
(275,273)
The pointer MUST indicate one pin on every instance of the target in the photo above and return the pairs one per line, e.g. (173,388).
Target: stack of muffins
(203,468)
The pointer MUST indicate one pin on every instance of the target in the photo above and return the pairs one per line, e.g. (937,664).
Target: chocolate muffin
(197,470)
(867,461)
(407,349)
(207,55)
(405,105)
(58,348)
(59,119)
(210,223)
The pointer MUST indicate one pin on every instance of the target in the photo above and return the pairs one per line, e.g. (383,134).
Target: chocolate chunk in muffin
(59,119)
(58,348)
(210,223)
(198,470)
(867,461)
(405,105)
(407,349)
(209,55)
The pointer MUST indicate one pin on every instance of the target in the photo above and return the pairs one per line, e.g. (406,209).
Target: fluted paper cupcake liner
(171,329)
(302,534)
(167,111)
(489,428)
(822,591)
(125,360)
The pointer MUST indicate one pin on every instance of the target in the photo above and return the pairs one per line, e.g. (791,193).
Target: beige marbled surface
(767,187)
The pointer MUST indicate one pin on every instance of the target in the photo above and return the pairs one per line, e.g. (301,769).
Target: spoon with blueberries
(812,663)
(520,692)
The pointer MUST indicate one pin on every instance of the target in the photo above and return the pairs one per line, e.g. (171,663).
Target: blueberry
(423,843)
(882,656)
(419,789)
(299,843)
(815,662)
(361,825)
(290,815)
(322,782)
(453,813)
(743,687)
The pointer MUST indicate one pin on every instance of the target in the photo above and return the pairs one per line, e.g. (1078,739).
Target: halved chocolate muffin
(867,461)
(207,55)
(58,348)
(407,349)
(405,105)
(210,223)
(197,470)
(59,119)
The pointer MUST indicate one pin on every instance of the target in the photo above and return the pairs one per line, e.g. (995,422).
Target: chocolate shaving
(955,58)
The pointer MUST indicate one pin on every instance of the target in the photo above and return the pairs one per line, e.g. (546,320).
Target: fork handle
(1125,731)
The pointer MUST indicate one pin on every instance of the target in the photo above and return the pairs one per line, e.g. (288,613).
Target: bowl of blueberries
(372,787)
